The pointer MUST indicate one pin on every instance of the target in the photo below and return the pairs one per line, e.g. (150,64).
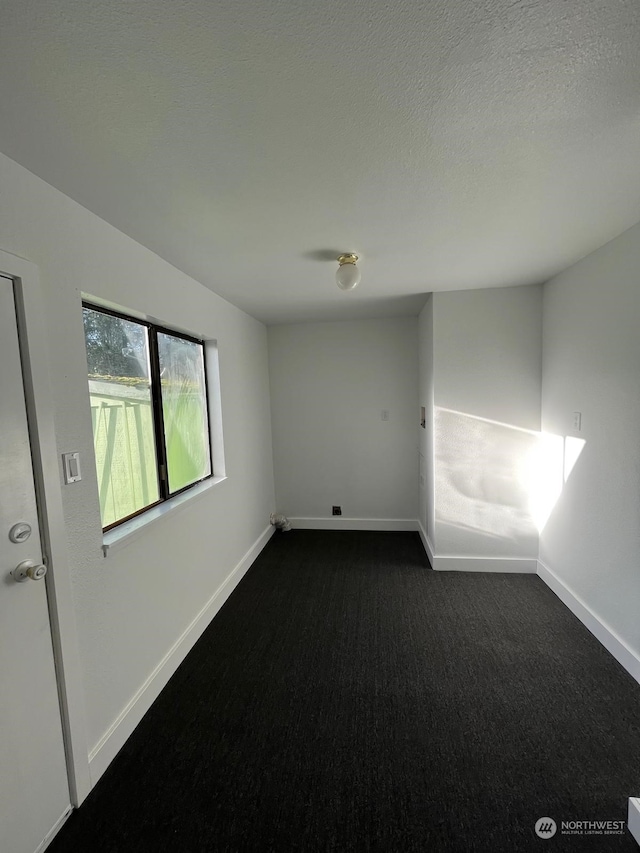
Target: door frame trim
(46,468)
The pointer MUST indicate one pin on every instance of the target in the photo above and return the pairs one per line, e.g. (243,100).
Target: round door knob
(28,570)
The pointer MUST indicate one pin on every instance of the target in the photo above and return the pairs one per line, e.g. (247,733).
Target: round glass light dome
(348,274)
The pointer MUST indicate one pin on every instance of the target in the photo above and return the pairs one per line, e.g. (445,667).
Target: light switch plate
(71,466)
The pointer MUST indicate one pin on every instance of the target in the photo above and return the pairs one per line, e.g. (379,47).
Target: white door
(34,793)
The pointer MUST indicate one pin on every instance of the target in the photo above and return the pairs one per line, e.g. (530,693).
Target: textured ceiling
(452,143)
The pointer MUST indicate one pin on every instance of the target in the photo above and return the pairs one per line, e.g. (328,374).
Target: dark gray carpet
(347,698)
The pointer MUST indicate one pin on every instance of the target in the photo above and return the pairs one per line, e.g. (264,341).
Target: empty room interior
(321,471)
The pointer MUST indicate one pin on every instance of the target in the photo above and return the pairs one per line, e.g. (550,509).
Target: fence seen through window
(149,412)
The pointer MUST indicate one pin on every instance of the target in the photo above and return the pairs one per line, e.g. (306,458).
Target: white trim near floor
(40,408)
(633,820)
(117,734)
(55,829)
(339,522)
(428,545)
(613,643)
(520,565)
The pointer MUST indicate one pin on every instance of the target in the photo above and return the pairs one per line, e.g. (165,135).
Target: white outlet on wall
(384,414)
(577,420)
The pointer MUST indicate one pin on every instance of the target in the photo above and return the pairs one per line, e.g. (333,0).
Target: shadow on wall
(496,484)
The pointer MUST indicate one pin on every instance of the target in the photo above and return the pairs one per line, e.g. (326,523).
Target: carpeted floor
(348,698)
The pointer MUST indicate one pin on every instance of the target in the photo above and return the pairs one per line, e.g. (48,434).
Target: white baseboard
(428,546)
(55,829)
(522,565)
(339,522)
(117,734)
(600,630)
(633,821)
(519,565)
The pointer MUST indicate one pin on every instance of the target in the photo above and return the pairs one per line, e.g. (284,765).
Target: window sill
(120,536)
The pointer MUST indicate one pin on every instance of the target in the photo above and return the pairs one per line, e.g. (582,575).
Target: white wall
(487,353)
(329,384)
(486,392)
(425,395)
(592,365)
(132,606)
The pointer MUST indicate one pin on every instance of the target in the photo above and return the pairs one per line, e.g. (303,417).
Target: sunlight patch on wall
(496,481)
(543,475)
(550,467)
(572,450)
(481,485)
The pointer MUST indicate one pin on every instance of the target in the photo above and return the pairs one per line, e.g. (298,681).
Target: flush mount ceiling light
(348,274)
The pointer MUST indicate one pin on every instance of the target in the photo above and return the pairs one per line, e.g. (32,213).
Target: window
(148,390)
